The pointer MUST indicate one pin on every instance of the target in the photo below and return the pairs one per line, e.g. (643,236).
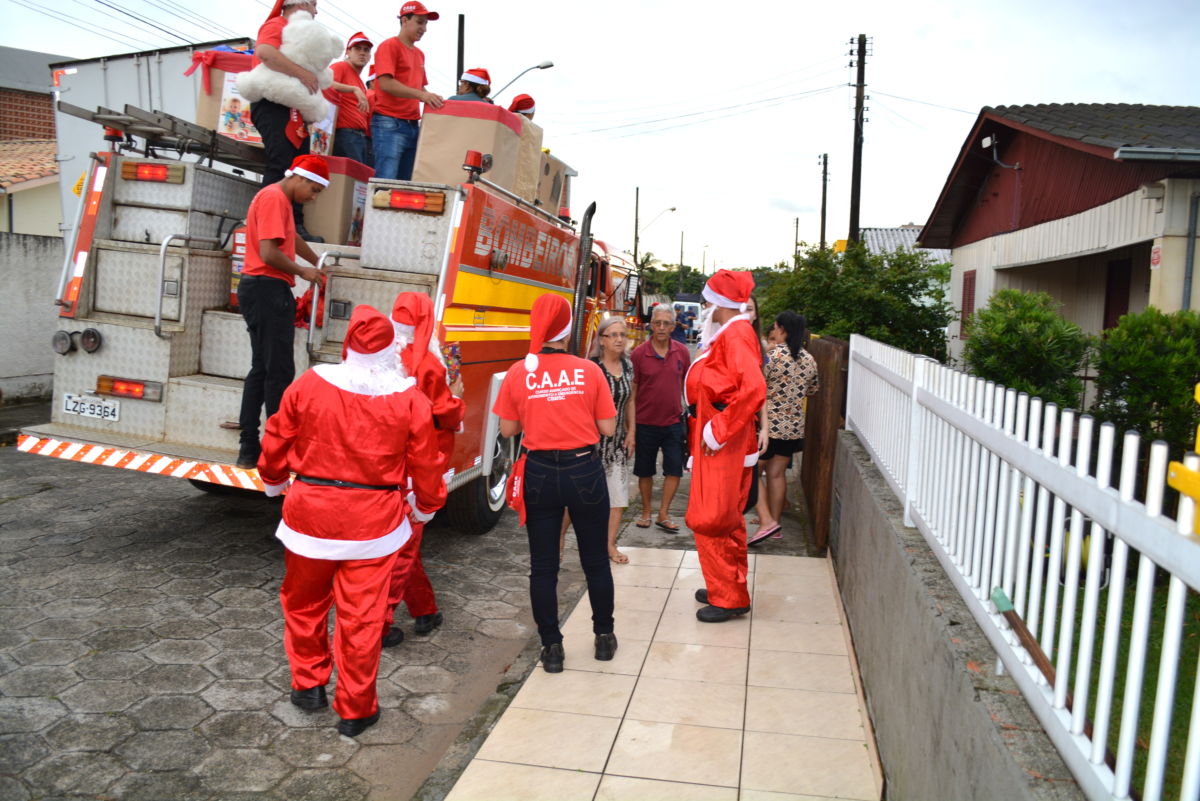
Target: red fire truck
(151,360)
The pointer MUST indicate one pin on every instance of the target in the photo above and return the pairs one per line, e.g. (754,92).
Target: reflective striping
(141,461)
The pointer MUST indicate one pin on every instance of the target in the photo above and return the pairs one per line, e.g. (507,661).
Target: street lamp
(545,65)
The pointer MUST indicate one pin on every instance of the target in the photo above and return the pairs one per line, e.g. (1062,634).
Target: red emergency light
(408,200)
(153,171)
(129,388)
(413,201)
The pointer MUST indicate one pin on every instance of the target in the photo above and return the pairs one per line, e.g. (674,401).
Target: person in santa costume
(355,434)
(352,137)
(283,131)
(563,405)
(725,390)
(412,319)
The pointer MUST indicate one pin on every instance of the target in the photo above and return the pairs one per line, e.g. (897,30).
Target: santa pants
(409,583)
(358,588)
(720,487)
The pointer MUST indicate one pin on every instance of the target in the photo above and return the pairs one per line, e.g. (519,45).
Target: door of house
(1116,291)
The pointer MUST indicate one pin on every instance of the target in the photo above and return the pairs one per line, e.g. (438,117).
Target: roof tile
(24,160)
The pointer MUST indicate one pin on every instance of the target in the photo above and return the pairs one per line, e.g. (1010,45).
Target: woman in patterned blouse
(608,351)
(791,377)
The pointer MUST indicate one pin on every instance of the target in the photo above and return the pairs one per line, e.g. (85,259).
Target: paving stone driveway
(141,653)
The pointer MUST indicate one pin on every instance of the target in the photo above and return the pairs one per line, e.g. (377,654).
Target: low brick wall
(946,725)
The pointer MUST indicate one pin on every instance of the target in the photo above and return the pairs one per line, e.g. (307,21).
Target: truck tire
(475,508)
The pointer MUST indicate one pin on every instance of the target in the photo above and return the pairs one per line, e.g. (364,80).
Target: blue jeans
(352,144)
(578,486)
(395,143)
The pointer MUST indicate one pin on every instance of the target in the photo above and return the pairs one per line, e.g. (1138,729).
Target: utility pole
(824,193)
(856,169)
(681,267)
(637,190)
(796,238)
(462,36)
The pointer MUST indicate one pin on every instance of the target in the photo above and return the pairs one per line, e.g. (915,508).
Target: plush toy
(310,45)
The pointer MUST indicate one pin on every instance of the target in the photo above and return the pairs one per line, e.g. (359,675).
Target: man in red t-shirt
(400,90)
(284,134)
(265,293)
(352,136)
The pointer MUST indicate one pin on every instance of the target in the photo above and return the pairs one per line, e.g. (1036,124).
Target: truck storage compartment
(346,292)
(176,198)
(398,236)
(225,347)
(196,407)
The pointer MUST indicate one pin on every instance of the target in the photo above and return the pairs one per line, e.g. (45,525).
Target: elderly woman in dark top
(791,375)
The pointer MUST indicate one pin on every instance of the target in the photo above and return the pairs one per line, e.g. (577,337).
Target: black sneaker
(719,614)
(248,456)
(552,658)
(310,700)
(701,596)
(352,727)
(394,637)
(424,624)
(606,646)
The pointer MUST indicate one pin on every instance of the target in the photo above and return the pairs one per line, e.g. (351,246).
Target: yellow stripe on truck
(479,290)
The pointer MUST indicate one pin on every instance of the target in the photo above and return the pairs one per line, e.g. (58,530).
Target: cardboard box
(337,212)
(218,104)
(320,134)
(449,132)
(554,177)
(529,161)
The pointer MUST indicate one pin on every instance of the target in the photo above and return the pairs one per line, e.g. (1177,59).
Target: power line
(713,110)
(96,29)
(140,31)
(187,16)
(767,105)
(144,21)
(925,103)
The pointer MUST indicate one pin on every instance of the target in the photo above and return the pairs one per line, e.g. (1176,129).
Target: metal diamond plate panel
(225,350)
(196,407)
(125,281)
(152,193)
(380,294)
(126,352)
(148,226)
(403,240)
(222,193)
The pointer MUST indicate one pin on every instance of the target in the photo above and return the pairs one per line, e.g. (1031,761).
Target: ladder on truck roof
(164,132)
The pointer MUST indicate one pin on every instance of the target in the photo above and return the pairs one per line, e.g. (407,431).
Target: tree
(1147,369)
(1021,341)
(898,298)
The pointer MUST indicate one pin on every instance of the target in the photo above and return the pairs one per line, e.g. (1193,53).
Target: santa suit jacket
(448,411)
(325,430)
(726,387)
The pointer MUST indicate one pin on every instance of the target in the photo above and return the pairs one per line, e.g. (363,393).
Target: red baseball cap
(359,38)
(415,7)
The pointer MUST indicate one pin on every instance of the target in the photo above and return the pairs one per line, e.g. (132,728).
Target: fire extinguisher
(238,259)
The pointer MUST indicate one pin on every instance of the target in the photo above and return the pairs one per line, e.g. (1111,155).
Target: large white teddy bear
(310,45)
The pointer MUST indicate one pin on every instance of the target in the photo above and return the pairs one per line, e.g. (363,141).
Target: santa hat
(478,75)
(413,7)
(522,104)
(314,168)
(730,289)
(277,9)
(549,321)
(412,317)
(369,332)
(359,38)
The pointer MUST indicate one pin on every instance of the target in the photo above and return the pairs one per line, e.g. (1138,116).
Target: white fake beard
(708,327)
(371,373)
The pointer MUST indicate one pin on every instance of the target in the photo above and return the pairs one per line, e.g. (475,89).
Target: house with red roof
(1095,204)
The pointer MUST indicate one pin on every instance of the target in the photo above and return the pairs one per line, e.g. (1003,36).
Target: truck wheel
(476,507)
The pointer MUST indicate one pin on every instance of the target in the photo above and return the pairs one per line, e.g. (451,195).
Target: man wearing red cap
(400,91)
(725,390)
(474,86)
(353,434)
(523,104)
(284,134)
(352,137)
(265,292)
(563,405)
(420,356)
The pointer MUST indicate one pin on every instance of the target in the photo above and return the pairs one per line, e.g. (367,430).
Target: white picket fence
(1003,489)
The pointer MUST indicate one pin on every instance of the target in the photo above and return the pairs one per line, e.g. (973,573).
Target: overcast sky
(722,110)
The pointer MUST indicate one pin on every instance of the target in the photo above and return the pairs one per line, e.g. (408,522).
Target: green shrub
(1020,340)
(1148,367)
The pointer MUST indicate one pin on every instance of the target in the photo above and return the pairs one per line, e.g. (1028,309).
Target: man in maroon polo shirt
(659,367)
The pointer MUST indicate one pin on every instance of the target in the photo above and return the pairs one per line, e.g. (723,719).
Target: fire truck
(150,359)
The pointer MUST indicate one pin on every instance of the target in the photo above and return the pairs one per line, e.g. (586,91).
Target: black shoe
(606,646)
(303,233)
(427,623)
(701,596)
(719,614)
(248,457)
(552,658)
(310,700)
(352,727)
(394,637)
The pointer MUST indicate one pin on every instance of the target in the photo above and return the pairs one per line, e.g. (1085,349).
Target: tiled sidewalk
(761,708)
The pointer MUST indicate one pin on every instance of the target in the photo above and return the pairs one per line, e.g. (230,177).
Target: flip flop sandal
(640,524)
(762,534)
(667,525)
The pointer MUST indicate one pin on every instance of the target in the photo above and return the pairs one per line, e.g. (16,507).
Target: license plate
(98,408)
